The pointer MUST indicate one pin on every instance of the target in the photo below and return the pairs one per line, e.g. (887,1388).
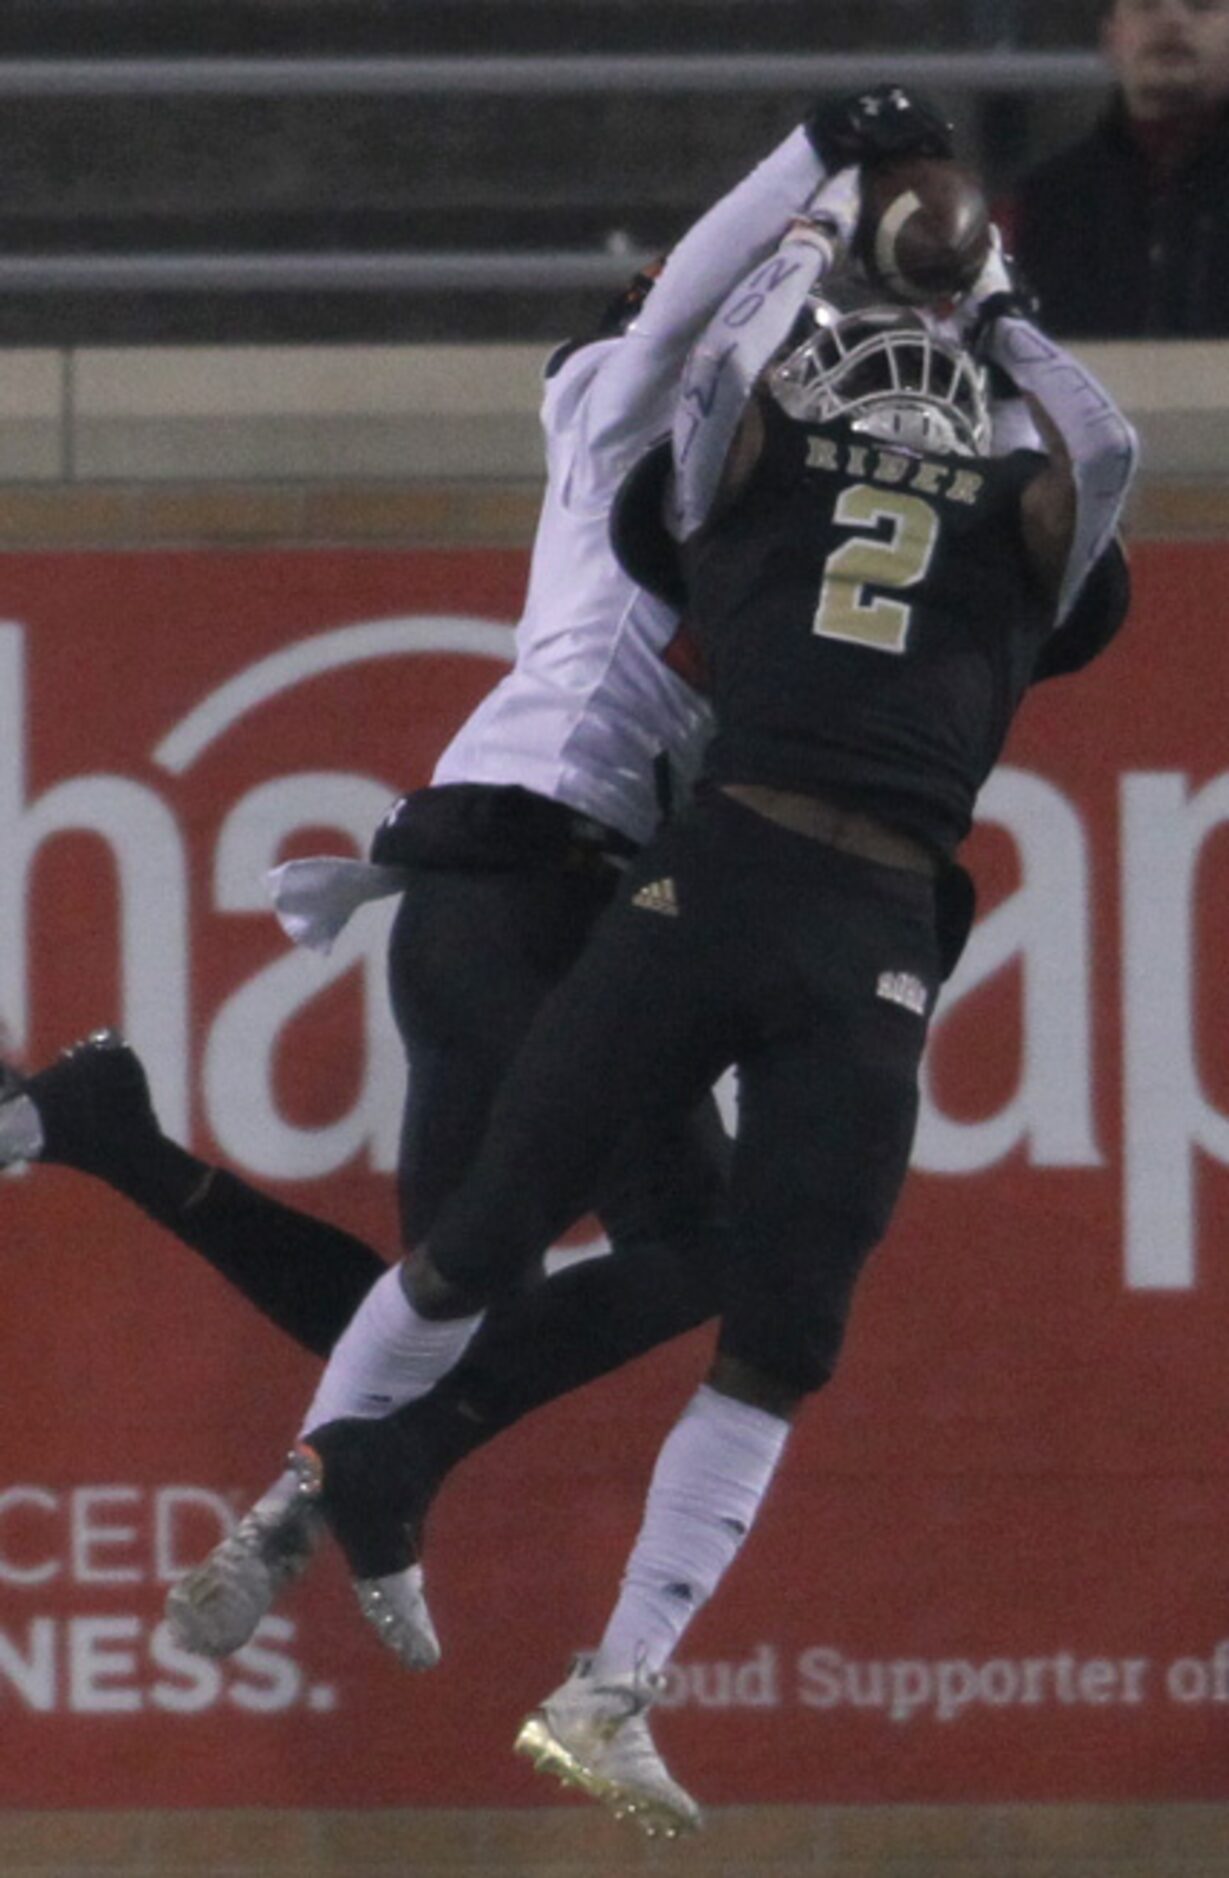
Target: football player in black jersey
(873,590)
(508,868)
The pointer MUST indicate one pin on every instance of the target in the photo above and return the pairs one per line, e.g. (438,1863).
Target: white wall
(418,413)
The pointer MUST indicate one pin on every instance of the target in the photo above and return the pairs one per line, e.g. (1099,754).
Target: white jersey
(590,704)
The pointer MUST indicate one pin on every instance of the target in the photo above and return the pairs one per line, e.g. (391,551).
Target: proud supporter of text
(915,1689)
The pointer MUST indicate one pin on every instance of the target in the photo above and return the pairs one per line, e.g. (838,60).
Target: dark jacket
(1111,255)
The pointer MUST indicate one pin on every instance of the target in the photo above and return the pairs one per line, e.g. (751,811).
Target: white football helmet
(900,374)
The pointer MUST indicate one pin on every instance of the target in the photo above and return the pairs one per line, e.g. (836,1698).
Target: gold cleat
(594,1737)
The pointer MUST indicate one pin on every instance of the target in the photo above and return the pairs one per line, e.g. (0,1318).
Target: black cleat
(90,1109)
(367,1495)
(375,1510)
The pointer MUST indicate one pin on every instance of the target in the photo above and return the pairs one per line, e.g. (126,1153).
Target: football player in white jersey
(506,861)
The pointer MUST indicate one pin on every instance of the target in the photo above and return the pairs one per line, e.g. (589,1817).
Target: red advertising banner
(994,1565)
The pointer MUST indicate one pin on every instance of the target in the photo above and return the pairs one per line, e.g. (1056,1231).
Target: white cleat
(21,1129)
(595,1736)
(396,1609)
(214,1609)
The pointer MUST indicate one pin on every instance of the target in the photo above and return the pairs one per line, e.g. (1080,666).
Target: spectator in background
(1126,233)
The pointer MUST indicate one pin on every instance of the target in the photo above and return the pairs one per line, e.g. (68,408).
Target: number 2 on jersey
(896,561)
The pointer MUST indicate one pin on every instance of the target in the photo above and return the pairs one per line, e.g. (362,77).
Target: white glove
(995,294)
(995,276)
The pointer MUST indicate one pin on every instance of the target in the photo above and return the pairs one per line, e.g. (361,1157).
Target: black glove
(875,126)
(1100,611)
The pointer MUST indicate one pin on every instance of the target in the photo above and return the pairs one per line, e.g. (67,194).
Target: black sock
(306,1275)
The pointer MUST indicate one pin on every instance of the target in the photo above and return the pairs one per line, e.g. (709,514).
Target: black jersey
(869,622)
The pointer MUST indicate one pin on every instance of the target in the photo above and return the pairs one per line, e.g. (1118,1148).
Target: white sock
(710,1479)
(386,1356)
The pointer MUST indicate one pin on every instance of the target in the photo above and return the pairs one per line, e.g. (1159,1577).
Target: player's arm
(1098,614)
(1070,511)
(631,397)
(717,430)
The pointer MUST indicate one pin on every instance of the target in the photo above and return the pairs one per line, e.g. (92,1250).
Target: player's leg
(716,1465)
(827,1109)
(616,1054)
(472,958)
(472,955)
(662,1203)
(461,1028)
(623,1046)
(616,1045)
(551,1338)
(558,1335)
(91,1110)
(661,1200)
(828,1100)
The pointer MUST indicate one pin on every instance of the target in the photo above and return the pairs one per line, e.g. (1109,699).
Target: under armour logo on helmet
(876,101)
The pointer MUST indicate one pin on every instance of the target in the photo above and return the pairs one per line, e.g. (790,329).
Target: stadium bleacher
(116,172)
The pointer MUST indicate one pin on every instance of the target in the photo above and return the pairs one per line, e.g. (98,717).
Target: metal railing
(517,76)
(462,271)
(990,71)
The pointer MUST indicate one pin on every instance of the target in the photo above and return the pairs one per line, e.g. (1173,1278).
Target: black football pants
(473,957)
(732,941)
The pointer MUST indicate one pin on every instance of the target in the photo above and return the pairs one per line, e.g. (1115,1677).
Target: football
(925,229)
